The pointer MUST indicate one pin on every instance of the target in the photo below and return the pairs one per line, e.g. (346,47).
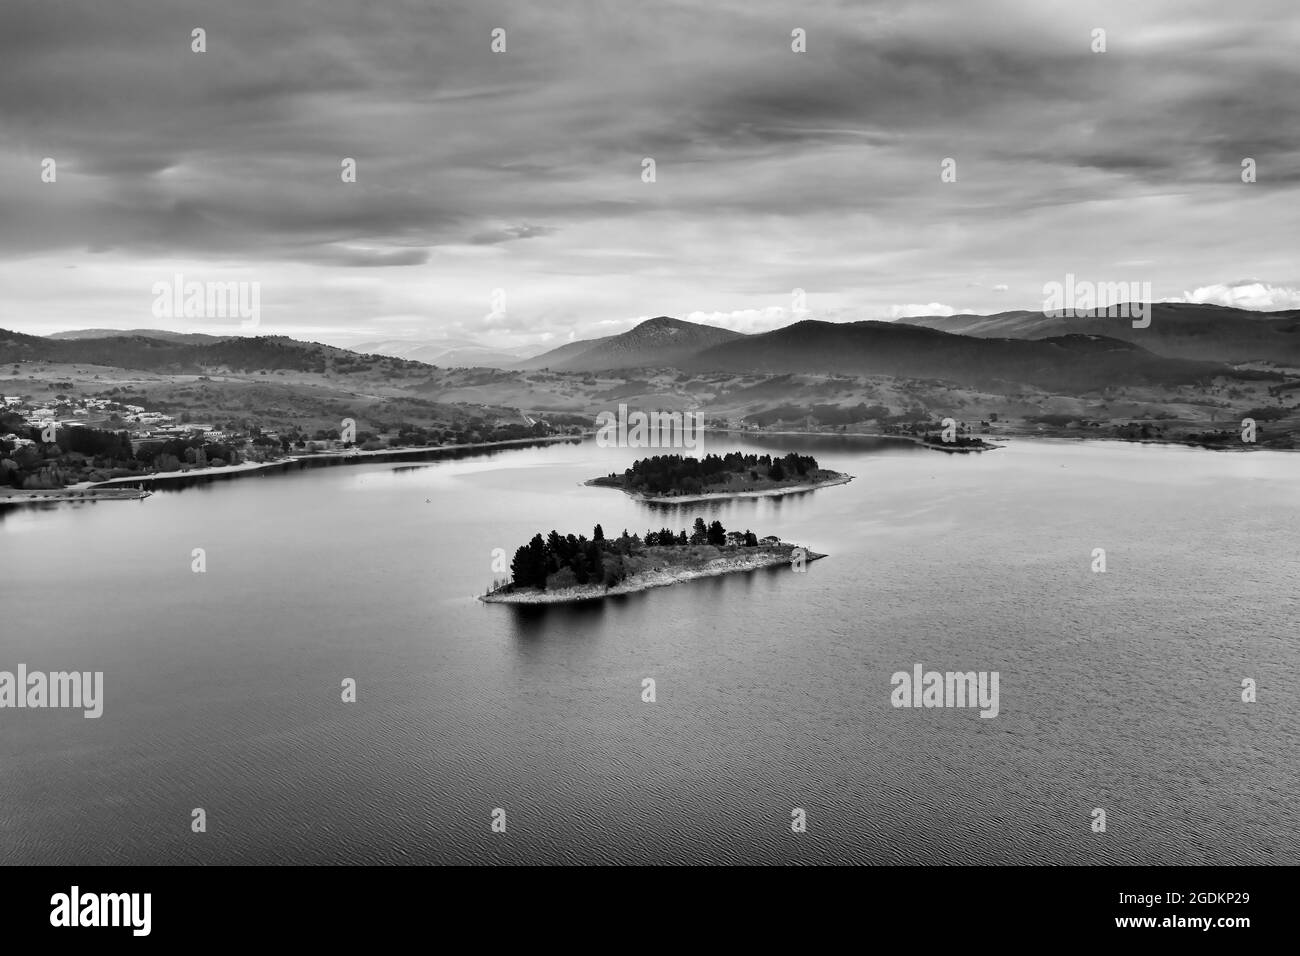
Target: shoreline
(111,489)
(346,456)
(914,439)
(108,490)
(1008,436)
(28,496)
(840,479)
(219,471)
(647,580)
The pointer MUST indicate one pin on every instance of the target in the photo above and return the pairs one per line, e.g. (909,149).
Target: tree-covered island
(674,478)
(558,568)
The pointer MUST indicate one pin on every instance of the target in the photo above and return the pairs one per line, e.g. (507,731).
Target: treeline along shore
(134,486)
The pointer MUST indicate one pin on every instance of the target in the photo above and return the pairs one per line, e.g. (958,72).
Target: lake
(1118,690)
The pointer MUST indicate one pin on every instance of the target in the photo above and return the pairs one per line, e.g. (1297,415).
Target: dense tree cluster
(559,561)
(821,414)
(673,473)
(94,454)
(714,534)
(585,561)
(474,431)
(1268,413)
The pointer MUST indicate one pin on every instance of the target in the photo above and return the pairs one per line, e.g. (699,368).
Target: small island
(672,478)
(561,568)
(962,444)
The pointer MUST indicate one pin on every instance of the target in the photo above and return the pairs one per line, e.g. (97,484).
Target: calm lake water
(1118,690)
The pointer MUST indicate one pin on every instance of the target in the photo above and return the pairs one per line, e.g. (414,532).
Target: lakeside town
(78,442)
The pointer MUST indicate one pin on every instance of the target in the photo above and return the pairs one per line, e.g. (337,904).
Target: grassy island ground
(559,568)
(674,478)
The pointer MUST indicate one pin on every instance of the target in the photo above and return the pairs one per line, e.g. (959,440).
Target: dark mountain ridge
(1072,361)
(240,353)
(1178,330)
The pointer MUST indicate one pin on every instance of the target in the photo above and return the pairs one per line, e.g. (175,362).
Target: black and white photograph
(690,433)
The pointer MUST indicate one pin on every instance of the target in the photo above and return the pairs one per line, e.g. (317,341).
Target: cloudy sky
(522,171)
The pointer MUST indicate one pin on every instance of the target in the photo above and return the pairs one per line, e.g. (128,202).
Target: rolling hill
(555,358)
(655,343)
(1073,361)
(448,353)
(238,354)
(1179,330)
(184,338)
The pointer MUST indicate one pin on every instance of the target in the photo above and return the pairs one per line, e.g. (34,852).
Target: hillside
(239,354)
(655,343)
(555,358)
(1178,330)
(1078,362)
(186,338)
(873,375)
(449,353)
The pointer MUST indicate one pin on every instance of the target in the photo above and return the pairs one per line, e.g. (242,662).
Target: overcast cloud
(522,171)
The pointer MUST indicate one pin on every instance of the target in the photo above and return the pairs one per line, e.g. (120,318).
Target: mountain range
(1177,329)
(178,353)
(1077,361)
(182,338)
(1183,343)
(447,353)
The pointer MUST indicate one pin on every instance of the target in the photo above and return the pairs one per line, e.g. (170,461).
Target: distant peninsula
(672,478)
(563,568)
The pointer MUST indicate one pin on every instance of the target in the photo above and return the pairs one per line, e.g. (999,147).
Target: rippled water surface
(1118,690)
